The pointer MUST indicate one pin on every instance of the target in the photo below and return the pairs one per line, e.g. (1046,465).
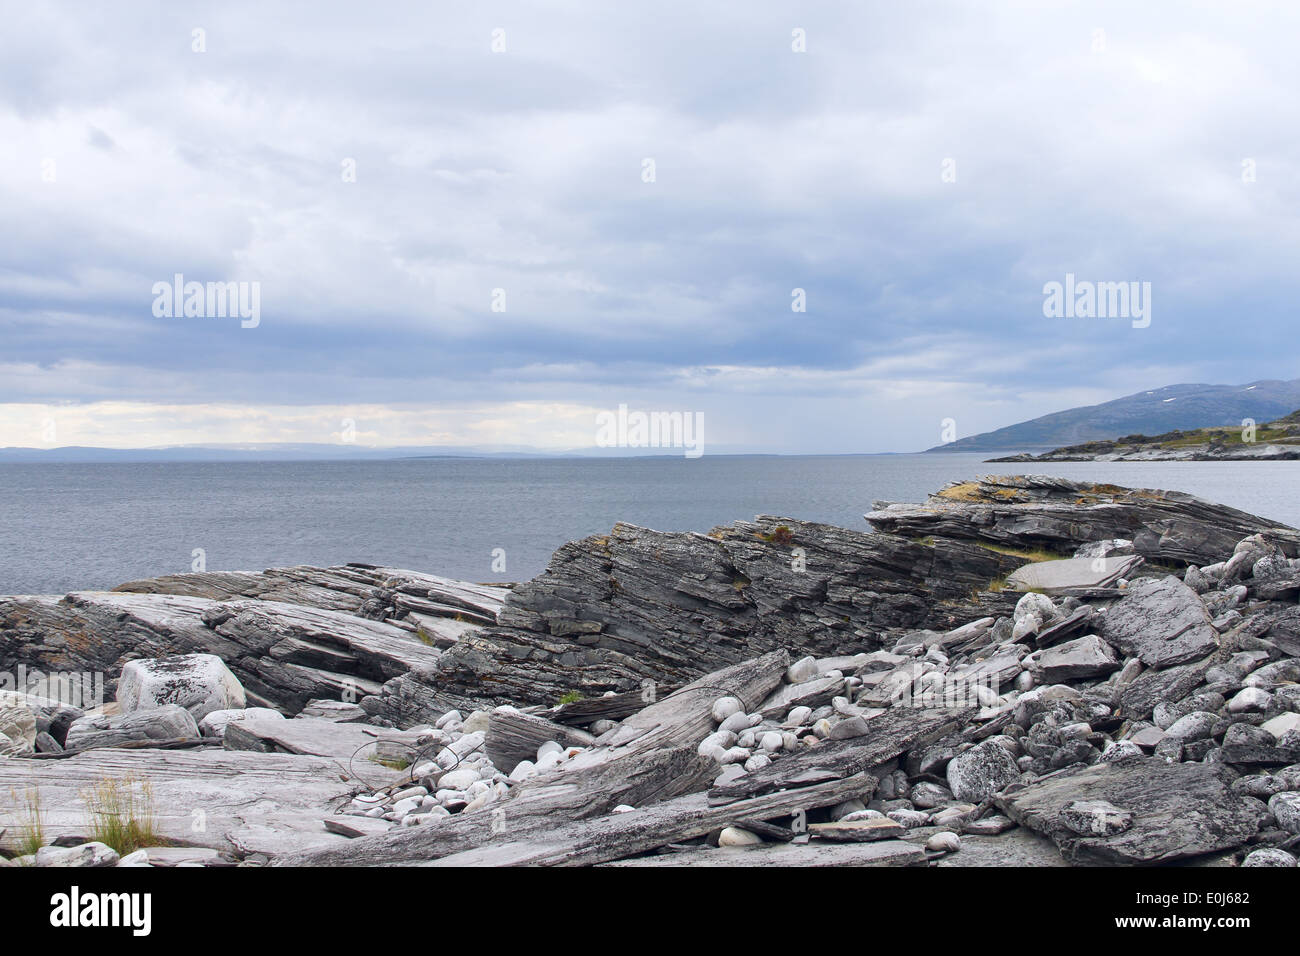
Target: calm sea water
(88,526)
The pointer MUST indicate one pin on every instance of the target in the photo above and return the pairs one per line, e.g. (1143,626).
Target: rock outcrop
(339,633)
(1057,514)
(613,611)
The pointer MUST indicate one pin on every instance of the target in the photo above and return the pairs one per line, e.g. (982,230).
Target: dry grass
(32,821)
(122,814)
(1031,555)
(966,491)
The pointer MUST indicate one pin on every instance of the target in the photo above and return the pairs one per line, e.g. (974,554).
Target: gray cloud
(522,170)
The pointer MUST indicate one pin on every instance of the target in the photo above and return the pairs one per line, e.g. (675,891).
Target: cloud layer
(921,171)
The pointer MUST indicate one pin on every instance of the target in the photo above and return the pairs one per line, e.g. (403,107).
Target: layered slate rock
(342,633)
(365,590)
(316,736)
(1041,511)
(168,722)
(17,724)
(1179,810)
(636,605)
(1162,621)
(1087,656)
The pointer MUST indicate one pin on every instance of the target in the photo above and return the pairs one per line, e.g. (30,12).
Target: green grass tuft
(32,826)
(122,814)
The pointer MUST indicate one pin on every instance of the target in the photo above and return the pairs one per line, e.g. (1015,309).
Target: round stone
(981,772)
(1286,808)
(735,836)
(738,722)
(724,707)
(802,670)
(1269,856)
(944,843)
(1194,726)
(799,716)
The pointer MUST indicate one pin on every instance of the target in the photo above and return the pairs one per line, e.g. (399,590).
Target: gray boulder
(1162,621)
(17,724)
(201,683)
(1087,656)
(159,723)
(1285,807)
(981,772)
(1070,574)
(1269,856)
(1179,810)
(87,854)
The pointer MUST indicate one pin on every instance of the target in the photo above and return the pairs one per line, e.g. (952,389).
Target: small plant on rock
(32,826)
(122,814)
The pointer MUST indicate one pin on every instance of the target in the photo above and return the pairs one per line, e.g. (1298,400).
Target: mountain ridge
(1150,412)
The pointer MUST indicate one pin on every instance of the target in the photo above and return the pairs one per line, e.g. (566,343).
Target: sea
(71,527)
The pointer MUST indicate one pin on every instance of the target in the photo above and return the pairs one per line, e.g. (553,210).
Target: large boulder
(87,854)
(215,723)
(1162,621)
(980,772)
(1177,810)
(1044,511)
(1087,656)
(17,724)
(159,723)
(201,683)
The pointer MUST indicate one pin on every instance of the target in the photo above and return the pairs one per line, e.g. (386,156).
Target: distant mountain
(1155,412)
(1267,441)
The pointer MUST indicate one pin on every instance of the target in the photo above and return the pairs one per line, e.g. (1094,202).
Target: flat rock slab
(882,853)
(1162,621)
(354,826)
(1179,810)
(1019,847)
(1087,656)
(315,736)
(857,831)
(241,802)
(1070,574)
(1139,698)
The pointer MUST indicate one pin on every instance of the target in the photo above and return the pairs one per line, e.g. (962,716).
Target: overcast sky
(921,171)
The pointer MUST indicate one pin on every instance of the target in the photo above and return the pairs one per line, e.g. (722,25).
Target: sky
(487,226)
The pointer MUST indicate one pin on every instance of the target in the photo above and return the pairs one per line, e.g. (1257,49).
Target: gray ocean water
(91,526)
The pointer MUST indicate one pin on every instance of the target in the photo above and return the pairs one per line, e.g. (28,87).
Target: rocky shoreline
(1020,670)
(1273,441)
